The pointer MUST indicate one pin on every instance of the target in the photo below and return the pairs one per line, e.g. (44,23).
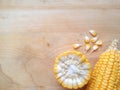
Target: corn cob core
(72,69)
(106,73)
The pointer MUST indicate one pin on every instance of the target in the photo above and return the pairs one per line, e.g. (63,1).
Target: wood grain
(66,4)
(32,33)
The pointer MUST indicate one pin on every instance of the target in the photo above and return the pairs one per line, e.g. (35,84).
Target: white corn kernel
(74,82)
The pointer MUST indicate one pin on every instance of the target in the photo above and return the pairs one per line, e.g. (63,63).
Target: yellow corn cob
(72,69)
(106,73)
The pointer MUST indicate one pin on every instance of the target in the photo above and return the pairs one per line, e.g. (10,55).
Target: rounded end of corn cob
(72,69)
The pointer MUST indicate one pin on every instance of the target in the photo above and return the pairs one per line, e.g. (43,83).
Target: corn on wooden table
(33,33)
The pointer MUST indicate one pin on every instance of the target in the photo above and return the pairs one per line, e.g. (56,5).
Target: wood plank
(31,37)
(69,4)
(58,20)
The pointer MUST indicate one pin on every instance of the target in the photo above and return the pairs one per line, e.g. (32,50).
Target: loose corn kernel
(76,46)
(95,47)
(99,42)
(93,33)
(87,47)
(87,39)
(94,39)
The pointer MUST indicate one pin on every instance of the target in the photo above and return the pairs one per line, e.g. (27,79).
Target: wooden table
(33,32)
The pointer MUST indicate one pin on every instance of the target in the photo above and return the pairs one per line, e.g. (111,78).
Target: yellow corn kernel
(73,69)
(87,39)
(106,73)
(76,46)
(87,47)
(99,43)
(95,47)
(94,39)
(93,33)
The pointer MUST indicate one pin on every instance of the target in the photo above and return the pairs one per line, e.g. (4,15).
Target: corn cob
(106,73)
(72,69)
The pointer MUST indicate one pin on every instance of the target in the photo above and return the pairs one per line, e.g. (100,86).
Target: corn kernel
(94,48)
(99,42)
(87,47)
(87,39)
(76,46)
(93,33)
(94,39)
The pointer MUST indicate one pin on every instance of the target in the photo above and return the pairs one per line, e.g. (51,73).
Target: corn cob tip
(113,45)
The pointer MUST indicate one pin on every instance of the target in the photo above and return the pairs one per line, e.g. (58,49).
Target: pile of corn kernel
(92,42)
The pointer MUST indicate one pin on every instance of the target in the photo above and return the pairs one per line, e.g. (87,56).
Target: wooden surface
(33,32)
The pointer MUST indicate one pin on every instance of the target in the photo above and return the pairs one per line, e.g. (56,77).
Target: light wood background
(33,32)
